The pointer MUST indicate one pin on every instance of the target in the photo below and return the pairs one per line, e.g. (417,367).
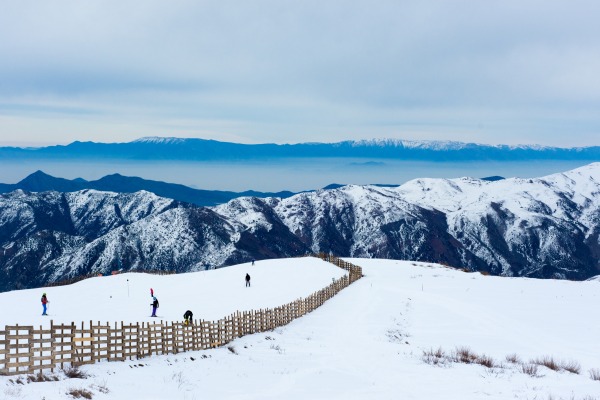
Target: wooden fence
(27,350)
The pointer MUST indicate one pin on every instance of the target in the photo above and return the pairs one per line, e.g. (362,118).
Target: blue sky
(294,71)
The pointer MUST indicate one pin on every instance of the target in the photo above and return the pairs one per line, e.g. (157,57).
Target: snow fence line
(26,350)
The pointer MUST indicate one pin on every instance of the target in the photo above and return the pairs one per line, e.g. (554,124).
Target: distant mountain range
(42,182)
(544,228)
(157,148)
(39,181)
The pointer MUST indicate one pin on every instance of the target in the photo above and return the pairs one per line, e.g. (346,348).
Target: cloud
(289,71)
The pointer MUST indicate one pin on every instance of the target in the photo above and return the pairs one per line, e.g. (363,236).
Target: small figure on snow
(188,316)
(247,280)
(44,302)
(154,306)
(253,261)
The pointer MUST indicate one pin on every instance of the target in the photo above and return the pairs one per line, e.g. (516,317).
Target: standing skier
(247,280)
(44,302)
(154,306)
(188,316)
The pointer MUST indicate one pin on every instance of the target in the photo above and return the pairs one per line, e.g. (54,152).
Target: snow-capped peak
(439,145)
(160,140)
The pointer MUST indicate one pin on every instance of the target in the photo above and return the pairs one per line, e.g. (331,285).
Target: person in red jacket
(44,302)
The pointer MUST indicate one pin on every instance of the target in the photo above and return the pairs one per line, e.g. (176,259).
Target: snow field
(210,295)
(368,341)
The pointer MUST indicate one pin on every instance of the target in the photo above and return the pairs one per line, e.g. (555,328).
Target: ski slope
(210,295)
(365,343)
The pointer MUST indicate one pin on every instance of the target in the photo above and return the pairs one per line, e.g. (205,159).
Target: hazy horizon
(290,174)
(41,144)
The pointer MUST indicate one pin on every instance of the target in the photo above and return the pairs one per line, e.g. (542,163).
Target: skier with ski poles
(154,303)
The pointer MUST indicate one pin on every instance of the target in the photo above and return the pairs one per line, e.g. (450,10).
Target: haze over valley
(213,165)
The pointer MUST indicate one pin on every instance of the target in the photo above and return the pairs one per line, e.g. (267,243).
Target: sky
(509,72)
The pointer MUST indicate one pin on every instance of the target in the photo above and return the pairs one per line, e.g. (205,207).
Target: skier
(44,302)
(188,316)
(247,280)
(154,306)
(253,261)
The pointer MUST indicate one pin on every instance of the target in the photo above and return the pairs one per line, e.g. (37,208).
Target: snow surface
(210,294)
(365,343)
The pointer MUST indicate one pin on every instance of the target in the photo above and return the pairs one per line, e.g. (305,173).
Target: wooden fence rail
(27,349)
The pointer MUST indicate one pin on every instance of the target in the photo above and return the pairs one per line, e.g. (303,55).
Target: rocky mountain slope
(545,228)
(51,236)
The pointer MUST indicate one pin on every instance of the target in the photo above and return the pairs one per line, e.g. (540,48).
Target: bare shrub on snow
(79,393)
(572,366)
(530,369)
(74,372)
(547,362)
(486,361)
(41,377)
(513,359)
(594,374)
(464,355)
(460,355)
(434,357)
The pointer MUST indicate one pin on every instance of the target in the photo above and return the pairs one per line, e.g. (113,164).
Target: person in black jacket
(154,306)
(188,317)
(247,280)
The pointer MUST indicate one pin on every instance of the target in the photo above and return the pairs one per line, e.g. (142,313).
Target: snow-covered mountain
(438,145)
(546,228)
(169,148)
